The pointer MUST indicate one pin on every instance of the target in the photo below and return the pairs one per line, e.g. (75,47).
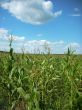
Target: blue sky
(35,23)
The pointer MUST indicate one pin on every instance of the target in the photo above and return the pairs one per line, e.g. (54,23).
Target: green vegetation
(40,82)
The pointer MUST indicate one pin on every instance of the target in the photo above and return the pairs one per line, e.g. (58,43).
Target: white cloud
(58,13)
(3,32)
(47,5)
(16,38)
(38,42)
(31,46)
(39,35)
(76,13)
(61,42)
(44,45)
(35,46)
(31,11)
(74,46)
(4,40)
(4,35)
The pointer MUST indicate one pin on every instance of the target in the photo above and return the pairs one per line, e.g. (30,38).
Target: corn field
(40,82)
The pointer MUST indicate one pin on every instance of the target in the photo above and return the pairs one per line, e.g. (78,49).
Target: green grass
(40,82)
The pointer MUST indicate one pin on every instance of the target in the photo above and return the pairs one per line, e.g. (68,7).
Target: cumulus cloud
(35,46)
(61,42)
(31,46)
(74,46)
(4,34)
(43,46)
(15,38)
(48,5)
(31,11)
(5,37)
(37,43)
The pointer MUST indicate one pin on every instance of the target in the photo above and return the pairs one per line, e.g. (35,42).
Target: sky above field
(35,24)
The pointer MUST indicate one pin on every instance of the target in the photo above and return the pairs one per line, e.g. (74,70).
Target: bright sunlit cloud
(33,46)
(36,24)
(31,11)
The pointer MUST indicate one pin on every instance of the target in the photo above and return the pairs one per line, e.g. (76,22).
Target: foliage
(40,82)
